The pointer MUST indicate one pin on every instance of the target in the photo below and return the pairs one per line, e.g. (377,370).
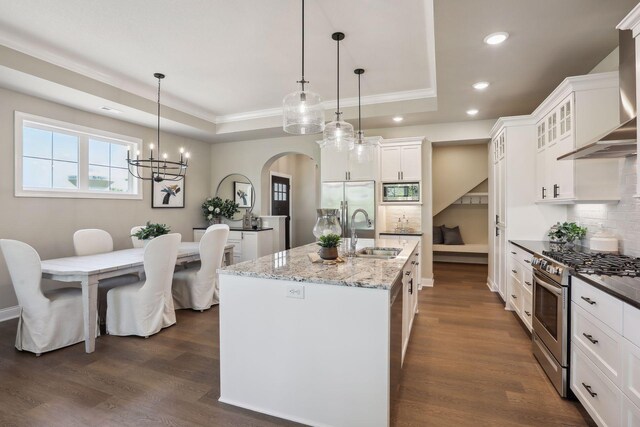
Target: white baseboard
(426,282)
(492,286)
(9,313)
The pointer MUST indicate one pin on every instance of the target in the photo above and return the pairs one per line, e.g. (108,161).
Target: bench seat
(471,248)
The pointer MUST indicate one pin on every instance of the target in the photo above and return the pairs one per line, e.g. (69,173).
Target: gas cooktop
(597,263)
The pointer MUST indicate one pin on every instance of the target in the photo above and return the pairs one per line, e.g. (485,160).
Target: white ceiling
(229,63)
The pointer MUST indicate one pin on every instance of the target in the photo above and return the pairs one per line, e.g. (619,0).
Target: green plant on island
(567,232)
(150,231)
(329,241)
(216,207)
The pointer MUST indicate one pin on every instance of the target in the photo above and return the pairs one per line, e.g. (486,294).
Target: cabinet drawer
(600,397)
(631,372)
(520,254)
(630,413)
(527,281)
(527,307)
(602,306)
(515,295)
(601,344)
(631,324)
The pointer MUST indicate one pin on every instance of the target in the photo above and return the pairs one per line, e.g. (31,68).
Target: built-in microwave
(401,192)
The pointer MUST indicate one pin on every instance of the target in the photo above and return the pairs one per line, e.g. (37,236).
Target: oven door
(550,316)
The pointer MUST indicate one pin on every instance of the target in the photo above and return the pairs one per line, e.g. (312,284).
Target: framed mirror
(238,188)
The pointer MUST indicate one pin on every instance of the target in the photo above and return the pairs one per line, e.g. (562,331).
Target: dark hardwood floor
(469,363)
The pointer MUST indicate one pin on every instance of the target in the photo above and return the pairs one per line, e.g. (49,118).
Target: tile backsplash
(412,213)
(622,219)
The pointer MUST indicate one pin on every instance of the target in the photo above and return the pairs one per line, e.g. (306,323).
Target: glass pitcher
(328,222)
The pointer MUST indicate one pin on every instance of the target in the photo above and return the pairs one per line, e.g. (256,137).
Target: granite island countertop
(294,265)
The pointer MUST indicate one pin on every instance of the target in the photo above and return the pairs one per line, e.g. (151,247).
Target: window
(57,159)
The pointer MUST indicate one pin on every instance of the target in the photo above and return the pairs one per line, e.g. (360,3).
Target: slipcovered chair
(137,243)
(145,307)
(197,288)
(92,241)
(48,320)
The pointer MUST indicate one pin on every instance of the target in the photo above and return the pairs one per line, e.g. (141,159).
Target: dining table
(90,269)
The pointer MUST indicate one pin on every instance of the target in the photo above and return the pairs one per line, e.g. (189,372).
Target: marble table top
(294,265)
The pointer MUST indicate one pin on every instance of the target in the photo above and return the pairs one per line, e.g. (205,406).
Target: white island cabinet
(313,343)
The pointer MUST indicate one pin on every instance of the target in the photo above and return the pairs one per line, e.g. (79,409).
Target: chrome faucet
(354,237)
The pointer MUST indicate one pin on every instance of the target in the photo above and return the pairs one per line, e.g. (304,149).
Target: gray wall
(48,224)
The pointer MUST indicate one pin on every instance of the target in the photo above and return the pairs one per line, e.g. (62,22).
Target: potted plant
(150,231)
(567,232)
(329,246)
(214,208)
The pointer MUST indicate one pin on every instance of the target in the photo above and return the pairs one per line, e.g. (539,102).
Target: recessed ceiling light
(472,112)
(398,119)
(109,109)
(481,85)
(496,38)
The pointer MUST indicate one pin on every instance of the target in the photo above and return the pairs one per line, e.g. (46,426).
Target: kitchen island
(314,343)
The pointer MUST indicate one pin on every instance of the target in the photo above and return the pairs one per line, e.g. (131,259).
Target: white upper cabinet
(401,159)
(575,113)
(345,166)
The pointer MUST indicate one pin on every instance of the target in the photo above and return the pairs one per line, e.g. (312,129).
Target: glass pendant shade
(363,149)
(303,113)
(338,134)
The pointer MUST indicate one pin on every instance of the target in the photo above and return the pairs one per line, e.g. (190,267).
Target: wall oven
(551,320)
(401,192)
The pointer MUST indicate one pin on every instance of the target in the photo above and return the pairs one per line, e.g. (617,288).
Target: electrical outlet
(295,291)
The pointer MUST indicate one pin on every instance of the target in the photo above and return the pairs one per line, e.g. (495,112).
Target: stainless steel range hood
(620,141)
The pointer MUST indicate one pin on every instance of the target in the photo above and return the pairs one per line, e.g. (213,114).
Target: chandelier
(302,110)
(158,169)
(338,134)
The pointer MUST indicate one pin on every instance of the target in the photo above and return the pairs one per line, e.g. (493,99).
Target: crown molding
(631,21)
(525,120)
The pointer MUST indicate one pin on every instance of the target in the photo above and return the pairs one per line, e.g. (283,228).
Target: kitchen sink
(380,253)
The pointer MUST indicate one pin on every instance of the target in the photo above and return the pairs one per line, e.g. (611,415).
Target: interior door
(281,203)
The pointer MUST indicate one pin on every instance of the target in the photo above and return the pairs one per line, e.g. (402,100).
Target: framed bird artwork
(167,194)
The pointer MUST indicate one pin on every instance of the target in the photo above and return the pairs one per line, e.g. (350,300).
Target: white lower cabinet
(630,413)
(600,397)
(246,244)
(410,300)
(605,356)
(519,294)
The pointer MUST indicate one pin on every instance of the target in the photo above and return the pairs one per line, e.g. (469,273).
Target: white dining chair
(48,320)
(145,307)
(197,288)
(137,243)
(92,241)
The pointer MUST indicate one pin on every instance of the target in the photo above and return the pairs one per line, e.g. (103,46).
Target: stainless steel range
(551,301)
(551,320)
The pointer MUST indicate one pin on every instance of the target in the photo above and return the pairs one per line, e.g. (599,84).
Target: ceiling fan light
(303,113)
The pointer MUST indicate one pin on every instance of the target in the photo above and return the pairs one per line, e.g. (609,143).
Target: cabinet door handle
(513,296)
(406,273)
(242,235)
(556,190)
(588,388)
(497,231)
(417,254)
(411,286)
(417,263)
(349,175)
(589,300)
(402,174)
(528,283)
(527,313)
(413,262)
(528,261)
(514,271)
(590,338)
(513,252)
(544,193)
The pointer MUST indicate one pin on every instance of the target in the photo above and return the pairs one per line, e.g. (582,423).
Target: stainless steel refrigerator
(347,197)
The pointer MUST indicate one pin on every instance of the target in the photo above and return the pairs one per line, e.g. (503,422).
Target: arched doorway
(290,186)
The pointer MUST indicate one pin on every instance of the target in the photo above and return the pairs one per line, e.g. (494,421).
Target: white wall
(622,219)
(48,224)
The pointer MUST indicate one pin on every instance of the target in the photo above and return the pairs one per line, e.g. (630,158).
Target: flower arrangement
(567,232)
(151,230)
(215,207)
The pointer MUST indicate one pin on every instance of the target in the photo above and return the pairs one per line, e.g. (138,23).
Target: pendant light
(338,133)
(158,169)
(302,110)
(363,148)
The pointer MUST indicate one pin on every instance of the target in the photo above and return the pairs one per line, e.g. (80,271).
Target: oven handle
(547,286)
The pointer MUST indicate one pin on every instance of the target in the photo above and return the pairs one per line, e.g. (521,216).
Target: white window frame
(83,133)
